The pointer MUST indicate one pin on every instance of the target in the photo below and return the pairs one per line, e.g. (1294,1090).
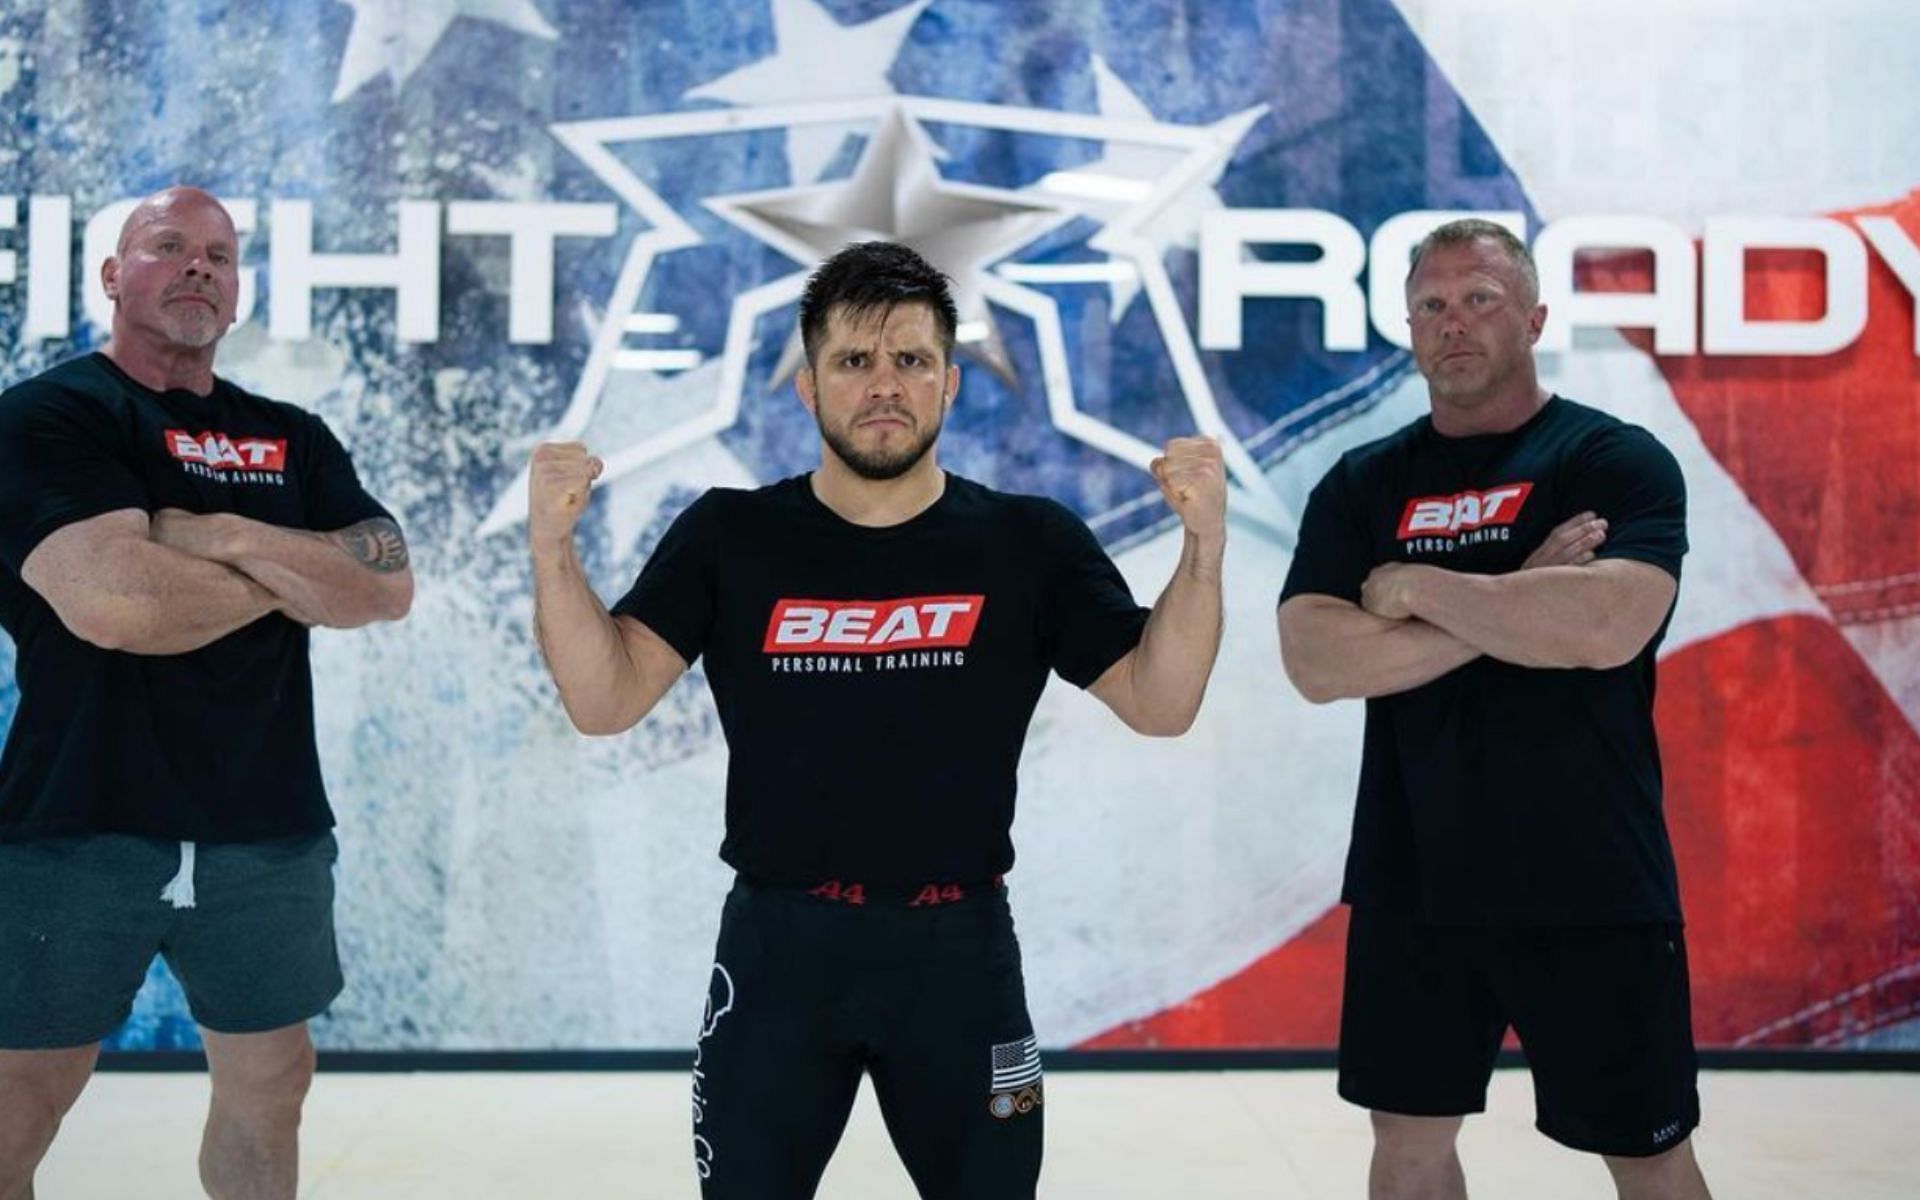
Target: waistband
(855,893)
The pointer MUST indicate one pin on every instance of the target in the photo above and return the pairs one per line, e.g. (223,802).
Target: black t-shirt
(1499,794)
(213,745)
(875,685)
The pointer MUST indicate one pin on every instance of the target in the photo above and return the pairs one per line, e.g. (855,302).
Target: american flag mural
(474,225)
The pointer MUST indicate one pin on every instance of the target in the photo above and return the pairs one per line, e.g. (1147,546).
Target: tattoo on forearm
(376,544)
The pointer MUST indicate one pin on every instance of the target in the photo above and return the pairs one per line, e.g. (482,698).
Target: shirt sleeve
(1091,620)
(333,494)
(1334,554)
(57,467)
(674,595)
(1627,477)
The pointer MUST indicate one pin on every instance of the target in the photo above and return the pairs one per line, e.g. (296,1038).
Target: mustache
(204,293)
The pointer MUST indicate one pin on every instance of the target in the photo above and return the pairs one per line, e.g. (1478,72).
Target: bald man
(166,541)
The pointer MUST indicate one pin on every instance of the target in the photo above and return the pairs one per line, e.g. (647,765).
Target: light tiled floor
(1192,1136)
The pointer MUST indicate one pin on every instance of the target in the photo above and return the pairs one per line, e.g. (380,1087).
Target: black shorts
(1603,1014)
(82,917)
(810,991)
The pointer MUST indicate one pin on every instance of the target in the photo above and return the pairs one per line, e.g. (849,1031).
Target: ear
(953,386)
(110,277)
(1536,321)
(803,384)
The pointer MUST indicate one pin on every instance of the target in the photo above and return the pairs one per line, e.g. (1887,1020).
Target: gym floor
(1111,1135)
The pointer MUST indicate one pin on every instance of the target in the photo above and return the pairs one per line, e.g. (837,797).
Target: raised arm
(342,579)
(114,587)
(610,671)
(1156,688)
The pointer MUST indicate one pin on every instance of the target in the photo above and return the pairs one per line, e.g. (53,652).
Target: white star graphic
(896,194)
(817,58)
(1126,172)
(396,36)
(1250,494)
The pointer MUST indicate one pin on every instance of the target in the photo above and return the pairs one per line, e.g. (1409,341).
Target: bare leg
(251,1150)
(1672,1175)
(1414,1159)
(37,1087)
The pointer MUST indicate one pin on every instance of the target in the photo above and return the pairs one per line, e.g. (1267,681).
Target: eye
(856,360)
(910,359)
(1480,299)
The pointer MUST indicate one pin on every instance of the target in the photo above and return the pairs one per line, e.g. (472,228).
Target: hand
(561,475)
(1571,544)
(198,534)
(1193,478)
(1384,594)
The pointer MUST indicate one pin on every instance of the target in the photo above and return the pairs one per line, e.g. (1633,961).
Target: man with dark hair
(1495,579)
(167,539)
(876,635)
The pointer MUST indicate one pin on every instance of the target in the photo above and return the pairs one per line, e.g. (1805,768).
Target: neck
(877,503)
(162,368)
(1497,412)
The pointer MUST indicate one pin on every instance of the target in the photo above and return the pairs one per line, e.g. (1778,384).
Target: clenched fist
(559,479)
(1193,478)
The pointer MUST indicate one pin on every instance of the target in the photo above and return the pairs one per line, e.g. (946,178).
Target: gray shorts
(82,917)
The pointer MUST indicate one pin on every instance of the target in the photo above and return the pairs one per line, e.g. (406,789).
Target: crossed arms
(175,581)
(1415,623)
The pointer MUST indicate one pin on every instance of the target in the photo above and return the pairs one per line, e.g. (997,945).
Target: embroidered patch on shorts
(1015,1085)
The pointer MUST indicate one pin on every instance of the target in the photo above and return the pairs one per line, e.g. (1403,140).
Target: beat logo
(1447,516)
(872,626)
(219,452)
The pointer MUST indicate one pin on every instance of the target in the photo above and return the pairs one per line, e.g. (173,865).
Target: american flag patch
(1015,1064)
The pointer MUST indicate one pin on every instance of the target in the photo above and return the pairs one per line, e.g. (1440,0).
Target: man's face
(176,277)
(879,387)
(1474,321)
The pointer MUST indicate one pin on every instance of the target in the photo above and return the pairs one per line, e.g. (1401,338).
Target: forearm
(1548,617)
(1181,640)
(343,579)
(1338,651)
(149,599)
(581,644)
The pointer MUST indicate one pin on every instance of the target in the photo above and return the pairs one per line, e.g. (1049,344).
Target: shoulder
(1601,439)
(72,391)
(726,505)
(1020,511)
(1368,459)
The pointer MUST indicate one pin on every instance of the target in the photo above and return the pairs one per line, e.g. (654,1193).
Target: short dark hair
(869,277)
(1474,229)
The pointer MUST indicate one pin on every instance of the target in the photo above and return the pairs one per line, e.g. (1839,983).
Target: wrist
(225,538)
(1416,587)
(552,550)
(1204,553)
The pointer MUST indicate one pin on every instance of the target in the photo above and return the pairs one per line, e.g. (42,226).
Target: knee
(1672,1172)
(1414,1140)
(36,1090)
(263,1085)
(1414,1156)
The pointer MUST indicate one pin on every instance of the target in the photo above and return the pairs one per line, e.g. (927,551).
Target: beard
(877,465)
(191,325)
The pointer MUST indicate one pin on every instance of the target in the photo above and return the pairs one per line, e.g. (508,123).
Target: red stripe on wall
(1793,797)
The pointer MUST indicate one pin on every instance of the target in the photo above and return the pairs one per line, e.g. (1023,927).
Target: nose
(885,383)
